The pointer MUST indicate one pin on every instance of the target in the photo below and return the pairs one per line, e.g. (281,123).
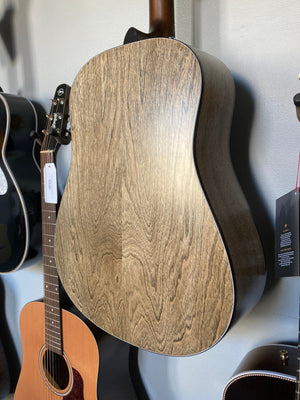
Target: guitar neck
(161,22)
(53,335)
(161,14)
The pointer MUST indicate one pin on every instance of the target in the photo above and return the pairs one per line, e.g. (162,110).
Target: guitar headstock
(56,132)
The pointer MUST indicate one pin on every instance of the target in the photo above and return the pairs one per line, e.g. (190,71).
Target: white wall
(259,42)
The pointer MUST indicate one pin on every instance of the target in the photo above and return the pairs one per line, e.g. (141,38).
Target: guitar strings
(51,364)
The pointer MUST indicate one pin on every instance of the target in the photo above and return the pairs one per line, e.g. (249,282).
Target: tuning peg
(297,104)
(297,100)
(33,134)
(37,136)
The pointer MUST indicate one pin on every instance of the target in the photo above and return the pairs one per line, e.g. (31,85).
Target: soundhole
(56,370)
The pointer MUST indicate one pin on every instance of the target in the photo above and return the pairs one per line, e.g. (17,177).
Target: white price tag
(50,183)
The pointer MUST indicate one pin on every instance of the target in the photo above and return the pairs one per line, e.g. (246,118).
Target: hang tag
(50,183)
(287,235)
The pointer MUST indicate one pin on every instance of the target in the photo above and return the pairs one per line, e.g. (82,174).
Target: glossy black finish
(20,220)
(266,373)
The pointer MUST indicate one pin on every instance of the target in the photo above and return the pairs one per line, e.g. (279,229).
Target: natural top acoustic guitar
(155,242)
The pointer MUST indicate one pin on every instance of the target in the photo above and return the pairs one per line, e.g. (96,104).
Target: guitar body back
(154,239)
(263,375)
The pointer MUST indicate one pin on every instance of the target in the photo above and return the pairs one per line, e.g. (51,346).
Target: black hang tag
(287,235)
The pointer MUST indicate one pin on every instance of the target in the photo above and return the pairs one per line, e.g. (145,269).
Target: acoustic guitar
(267,373)
(20,187)
(155,242)
(60,354)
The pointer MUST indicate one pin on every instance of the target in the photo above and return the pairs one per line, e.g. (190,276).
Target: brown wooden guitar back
(154,241)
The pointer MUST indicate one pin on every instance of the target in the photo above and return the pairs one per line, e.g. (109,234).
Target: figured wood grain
(138,247)
(80,347)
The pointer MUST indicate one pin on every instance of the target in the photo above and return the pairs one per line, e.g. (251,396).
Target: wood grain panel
(138,247)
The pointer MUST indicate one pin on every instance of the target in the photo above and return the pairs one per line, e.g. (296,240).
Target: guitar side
(80,348)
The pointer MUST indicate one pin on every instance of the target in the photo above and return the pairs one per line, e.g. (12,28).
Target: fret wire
(54,342)
(51,345)
(53,294)
(52,336)
(49,321)
(50,315)
(49,292)
(49,257)
(50,328)
(54,276)
(54,309)
(53,316)
(50,266)
(51,284)
(53,326)
(50,300)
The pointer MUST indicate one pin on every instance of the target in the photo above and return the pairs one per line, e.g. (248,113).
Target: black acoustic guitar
(20,222)
(266,373)
(269,372)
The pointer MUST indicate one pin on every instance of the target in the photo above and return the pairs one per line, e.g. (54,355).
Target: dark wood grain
(140,248)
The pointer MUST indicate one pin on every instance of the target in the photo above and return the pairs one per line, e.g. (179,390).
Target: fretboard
(53,334)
